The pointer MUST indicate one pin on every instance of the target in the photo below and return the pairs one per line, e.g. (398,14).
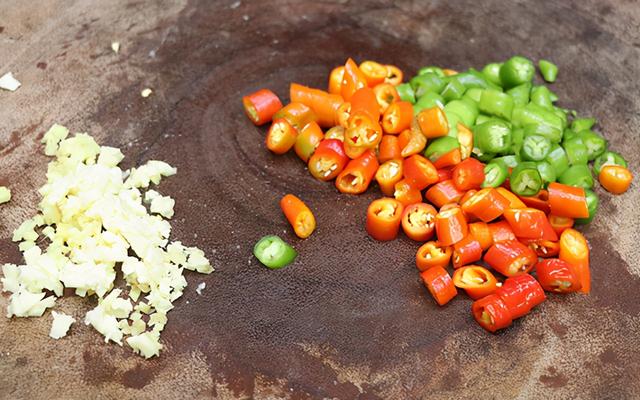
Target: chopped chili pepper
(394,75)
(501,231)
(352,80)
(495,173)
(281,136)
(415,142)
(363,131)
(559,224)
(297,114)
(481,232)
(344,113)
(337,132)
(535,148)
(543,248)
(405,91)
(433,122)
(575,251)
(261,105)
(510,257)
(468,174)
(357,175)
(577,175)
(418,221)
(388,174)
(324,105)
(383,219)
(406,193)
(389,148)
(477,281)
(307,141)
(449,159)
(530,223)
(548,70)
(465,138)
(397,117)
(468,194)
(557,276)
(432,254)
(375,73)
(466,251)
(441,146)
(335,79)
(491,313)
(608,158)
(615,179)
(451,226)
(496,103)
(492,136)
(274,252)
(445,174)
(299,216)
(516,71)
(352,151)
(364,101)
(486,205)
(419,171)
(521,293)
(328,160)
(440,285)
(539,201)
(567,201)
(514,201)
(443,193)
(386,94)
(525,179)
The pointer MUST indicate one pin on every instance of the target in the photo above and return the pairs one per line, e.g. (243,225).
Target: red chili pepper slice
(557,276)
(487,204)
(521,293)
(440,285)
(540,201)
(451,226)
(383,219)
(501,231)
(357,175)
(261,105)
(491,313)
(442,193)
(530,223)
(418,221)
(468,174)
(432,254)
(328,160)
(510,258)
(419,171)
(466,251)
(406,193)
(567,201)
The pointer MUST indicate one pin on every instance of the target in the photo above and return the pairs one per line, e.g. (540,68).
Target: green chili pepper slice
(525,179)
(595,143)
(428,100)
(535,148)
(551,133)
(475,79)
(516,71)
(568,134)
(496,103)
(561,113)
(452,118)
(495,173)
(511,161)
(484,157)
(440,146)
(592,205)
(577,175)
(534,114)
(520,94)
(274,252)
(492,73)
(577,152)
(431,70)
(557,157)
(425,83)
(548,70)
(517,139)
(453,90)
(554,97)
(482,118)
(608,158)
(493,136)
(541,96)
(547,173)
(467,110)
(581,124)
(406,93)
(473,94)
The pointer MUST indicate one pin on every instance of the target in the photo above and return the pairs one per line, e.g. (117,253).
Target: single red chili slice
(557,276)
(466,251)
(418,221)
(510,258)
(468,174)
(491,313)
(440,285)
(261,105)
(520,294)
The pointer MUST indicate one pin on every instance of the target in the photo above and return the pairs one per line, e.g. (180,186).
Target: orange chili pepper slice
(443,193)
(299,216)
(451,226)
(567,201)
(389,148)
(281,136)
(364,101)
(406,193)
(386,94)
(540,201)
(397,117)
(375,73)
(394,75)
(389,173)
(324,105)
(514,201)
(575,250)
(261,105)
(432,254)
(335,79)
(328,160)
(415,144)
(481,232)
(297,114)
(433,122)
(615,178)
(559,224)
(307,141)
(352,80)
(449,159)
(465,138)
(466,251)
(440,285)
(420,171)
(337,132)
(383,219)
(344,113)
(477,281)
(487,204)
(501,231)
(418,221)
(357,175)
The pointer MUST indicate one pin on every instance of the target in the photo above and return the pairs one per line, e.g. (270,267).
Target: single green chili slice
(274,252)
(551,133)
(525,179)
(473,94)
(517,139)
(554,97)
(493,136)
(428,100)
(608,158)
(496,103)
(452,118)
(425,83)
(577,152)
(484,157)
(406,93)
(441,146)
(466,109)
(534,114)
(557,157)
(492,73)
(453,89)
(520,94)
(568,134)
(482,118)
(562,114)
(541,96)
(577,175)
(580,124)
(592,205)
(548,70)
(511,161)
(547,172)
(431,70)
(535,148)
(516,71)
(595,143)
(472,78)
(495,173)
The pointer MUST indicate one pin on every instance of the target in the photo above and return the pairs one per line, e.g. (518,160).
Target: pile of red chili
(370,126)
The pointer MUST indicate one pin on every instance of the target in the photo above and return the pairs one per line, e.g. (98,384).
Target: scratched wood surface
(350,319)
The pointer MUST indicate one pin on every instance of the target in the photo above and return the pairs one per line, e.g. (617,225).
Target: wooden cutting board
(350,319)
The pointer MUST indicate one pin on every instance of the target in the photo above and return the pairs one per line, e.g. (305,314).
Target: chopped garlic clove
(61,324)
(147,344)
(5,195)
(110,156)
(26,304)
(146,92)
(162,205)
(53,137)
(115,46)
(200,288)
(8,82)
